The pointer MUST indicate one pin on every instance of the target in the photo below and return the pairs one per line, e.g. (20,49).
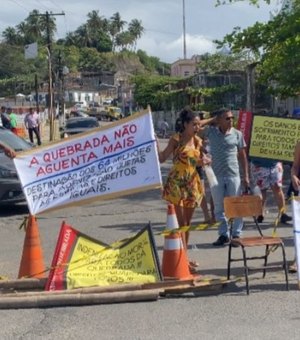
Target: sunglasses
(229,118)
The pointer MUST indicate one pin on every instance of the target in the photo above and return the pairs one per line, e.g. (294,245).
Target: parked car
(10,186)
(78,125)
(78,113)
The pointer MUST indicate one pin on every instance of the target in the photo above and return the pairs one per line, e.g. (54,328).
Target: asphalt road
(270,312)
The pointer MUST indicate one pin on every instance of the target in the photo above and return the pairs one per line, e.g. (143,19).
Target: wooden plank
(34,301)
(20,284)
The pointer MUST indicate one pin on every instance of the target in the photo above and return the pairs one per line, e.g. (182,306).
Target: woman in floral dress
(183,187)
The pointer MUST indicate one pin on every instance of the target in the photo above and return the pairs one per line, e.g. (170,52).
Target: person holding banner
(7,150)
(183,187)
(295,170)
(228,151)
(295,177)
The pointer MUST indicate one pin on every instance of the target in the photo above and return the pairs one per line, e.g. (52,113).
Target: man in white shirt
(32,123)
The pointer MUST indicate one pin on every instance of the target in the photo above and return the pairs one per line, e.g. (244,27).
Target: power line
(26,9)
(41,4)
(55,4)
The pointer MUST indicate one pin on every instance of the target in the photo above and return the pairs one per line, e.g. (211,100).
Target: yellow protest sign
(81,261)
(274,137)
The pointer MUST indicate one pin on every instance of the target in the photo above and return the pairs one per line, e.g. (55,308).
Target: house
(184,67)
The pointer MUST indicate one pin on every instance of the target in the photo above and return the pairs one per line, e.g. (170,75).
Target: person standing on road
(183,186)
(12,120)
(32,123)
(5,118)
(227,149)
(267,174)
(164,128)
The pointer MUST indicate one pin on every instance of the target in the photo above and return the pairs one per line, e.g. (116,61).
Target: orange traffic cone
(32,262)
(175,263)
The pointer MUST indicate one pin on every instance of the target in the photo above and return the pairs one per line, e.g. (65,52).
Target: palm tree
(136,29)
(115,27)
(22,29)
(47,26)
(33,27)
(94,21)
(11,36)
(124,40)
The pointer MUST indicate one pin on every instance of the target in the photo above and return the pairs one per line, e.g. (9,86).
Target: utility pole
(62,71)
(250,74)
(36,85)
(51,115)
(184,32)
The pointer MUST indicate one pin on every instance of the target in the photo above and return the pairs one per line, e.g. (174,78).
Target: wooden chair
(246,206)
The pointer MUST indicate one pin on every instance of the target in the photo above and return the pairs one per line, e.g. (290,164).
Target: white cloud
(162,20)
(169,51)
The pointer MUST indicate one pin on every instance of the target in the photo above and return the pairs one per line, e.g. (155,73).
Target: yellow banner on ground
(82,261)
(274,137)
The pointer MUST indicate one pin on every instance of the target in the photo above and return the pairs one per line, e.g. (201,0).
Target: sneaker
(285,218)
(260,219)
(221,241)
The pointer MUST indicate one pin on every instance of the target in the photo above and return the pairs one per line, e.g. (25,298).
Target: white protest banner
(296,219)
(104,163)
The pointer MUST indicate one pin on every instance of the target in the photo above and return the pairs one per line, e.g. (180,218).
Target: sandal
(193,264)
(293,268)
(192,270)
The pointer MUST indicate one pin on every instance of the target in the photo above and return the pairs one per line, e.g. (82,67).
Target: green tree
(116,25)
(153,64)
(11,36)
(157,92)
(253,2)
(220,62)
(136,30)
(276,46)
(124,40)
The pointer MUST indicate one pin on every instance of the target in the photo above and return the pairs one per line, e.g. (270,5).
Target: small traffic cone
(32,262)
(175,263)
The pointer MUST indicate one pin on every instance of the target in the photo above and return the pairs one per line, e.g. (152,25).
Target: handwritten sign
(101,164)
(80,261)
(274,138)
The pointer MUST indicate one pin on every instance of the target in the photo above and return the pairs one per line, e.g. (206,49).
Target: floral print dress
(183,186)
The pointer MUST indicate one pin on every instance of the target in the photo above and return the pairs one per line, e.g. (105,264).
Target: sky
(161,19)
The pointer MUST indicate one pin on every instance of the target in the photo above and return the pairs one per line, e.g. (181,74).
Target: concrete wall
(159,116)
